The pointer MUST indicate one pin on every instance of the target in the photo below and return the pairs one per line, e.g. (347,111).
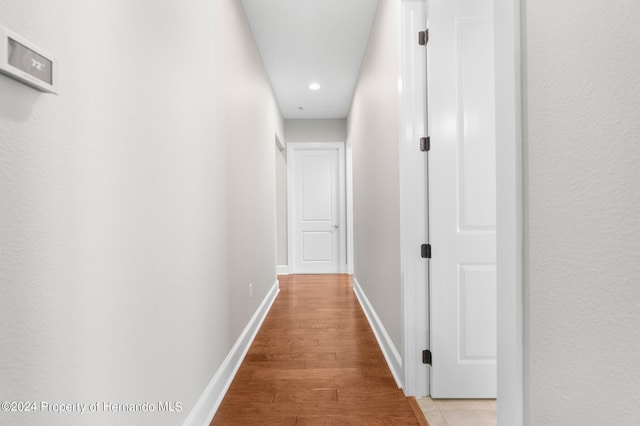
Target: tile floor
(459,412)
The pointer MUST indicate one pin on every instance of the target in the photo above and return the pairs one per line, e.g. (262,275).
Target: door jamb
(509,176)
(413,197)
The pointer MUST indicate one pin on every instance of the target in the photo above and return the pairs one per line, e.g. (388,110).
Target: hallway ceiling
(312,41)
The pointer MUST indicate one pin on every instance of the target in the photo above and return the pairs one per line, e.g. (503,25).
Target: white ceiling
(305,41)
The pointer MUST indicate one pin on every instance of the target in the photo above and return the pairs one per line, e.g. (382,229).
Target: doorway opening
(508,156)
(282,255)
(316,208)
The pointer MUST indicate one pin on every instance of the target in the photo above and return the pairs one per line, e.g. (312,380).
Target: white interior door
(317,207)
(462,199)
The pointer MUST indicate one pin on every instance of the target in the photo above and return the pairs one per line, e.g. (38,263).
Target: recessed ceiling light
(314,86)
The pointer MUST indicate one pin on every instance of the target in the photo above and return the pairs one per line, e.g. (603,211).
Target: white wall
(130,203)
(334,130)
(249,120)
(373,129)
(582,233)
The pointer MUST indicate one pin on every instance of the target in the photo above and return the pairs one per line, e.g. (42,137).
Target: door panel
(477,312)
(317,246)
(317,208)
(476,139)
(462,199)
(317,180)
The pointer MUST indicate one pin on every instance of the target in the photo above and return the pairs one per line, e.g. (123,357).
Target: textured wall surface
(373,130)
(582,233)
(125,219)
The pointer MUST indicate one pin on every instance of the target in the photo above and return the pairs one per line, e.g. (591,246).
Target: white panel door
(317,208)
(462,199)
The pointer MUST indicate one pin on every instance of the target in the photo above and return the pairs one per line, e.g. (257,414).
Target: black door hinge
(426,357)
(423,37)
(425,144)
(425,251)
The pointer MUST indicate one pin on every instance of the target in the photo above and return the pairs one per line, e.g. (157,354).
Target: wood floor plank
(315,361)
(278,365)
(307,374)
(292,356)
(308,396)
(351,421)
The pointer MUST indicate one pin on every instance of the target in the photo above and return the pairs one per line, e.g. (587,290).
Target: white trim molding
(413,196)
(391,355)
(208,403)
(509,175)
(282,269)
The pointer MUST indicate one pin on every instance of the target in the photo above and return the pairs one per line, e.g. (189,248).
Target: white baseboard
(208,403)
(391,354)
(282,269)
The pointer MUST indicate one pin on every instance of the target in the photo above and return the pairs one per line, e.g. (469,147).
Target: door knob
(336,226)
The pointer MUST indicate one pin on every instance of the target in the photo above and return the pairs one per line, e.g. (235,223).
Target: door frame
(291,198)
(413,198)
(509,194)
(509,176)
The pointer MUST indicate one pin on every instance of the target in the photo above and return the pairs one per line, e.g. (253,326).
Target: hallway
(315,361)
(139,227)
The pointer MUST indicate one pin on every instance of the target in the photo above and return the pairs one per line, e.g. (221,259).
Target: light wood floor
(315,361)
